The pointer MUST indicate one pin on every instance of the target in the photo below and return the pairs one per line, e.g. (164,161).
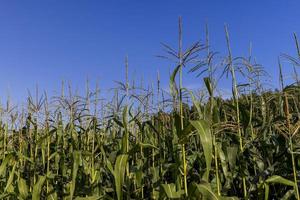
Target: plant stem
(236,100)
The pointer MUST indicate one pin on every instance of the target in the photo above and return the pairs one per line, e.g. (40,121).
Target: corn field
(148,143)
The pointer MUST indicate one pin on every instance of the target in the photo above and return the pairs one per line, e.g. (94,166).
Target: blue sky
(44,42)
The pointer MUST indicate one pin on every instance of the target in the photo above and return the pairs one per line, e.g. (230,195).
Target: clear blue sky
(48,41)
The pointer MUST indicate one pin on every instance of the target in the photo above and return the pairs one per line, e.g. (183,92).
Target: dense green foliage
(192,145)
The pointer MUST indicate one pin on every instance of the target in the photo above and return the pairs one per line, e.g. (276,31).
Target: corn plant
(138,143)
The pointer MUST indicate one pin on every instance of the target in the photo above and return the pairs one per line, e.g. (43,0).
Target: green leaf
(23,189)
(10,178)
(88,198)
(228,198)
(37,188)
(5,195)
(76,163)
(4,163)
(288,195)
(203,191)
(139,177)
(124,117)
(204,132)
(195,102)
(232,155)
(154,171)
(280,180)
(206,191)
(223,160)
(267,190)
(173,87)
(118,122)
(109,166)
(183,135)
(276,180)
(208,85)
(119,172)
(170,191)
(125,138)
